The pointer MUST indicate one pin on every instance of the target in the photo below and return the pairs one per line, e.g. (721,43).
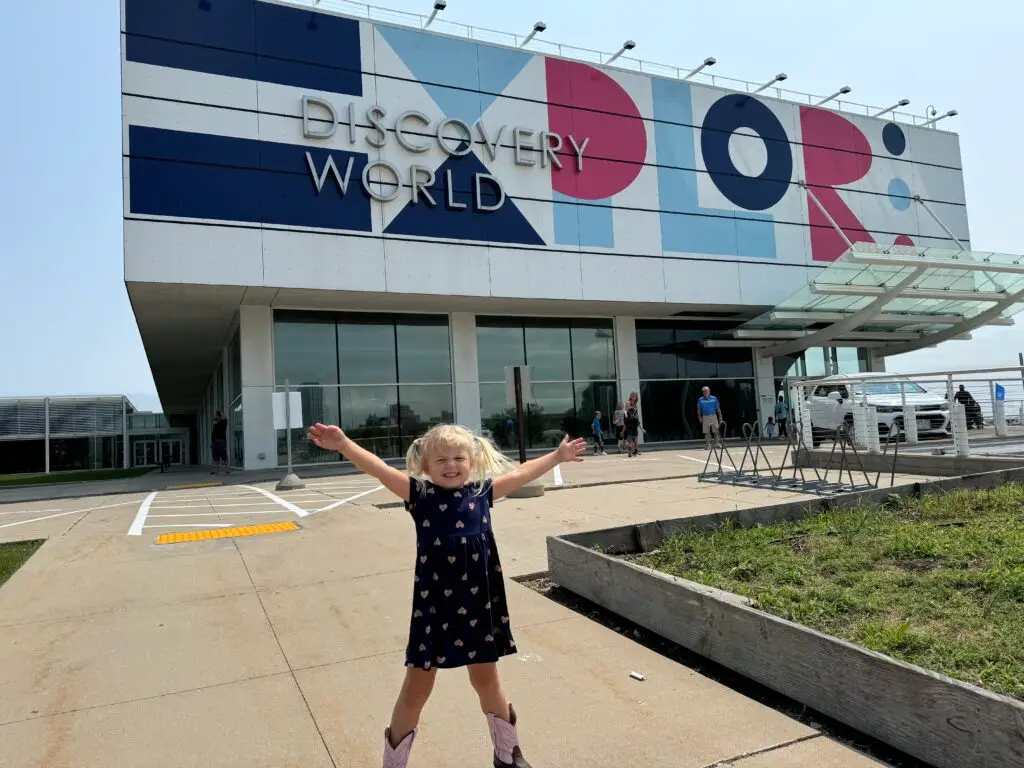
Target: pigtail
(488,460)
(414,458)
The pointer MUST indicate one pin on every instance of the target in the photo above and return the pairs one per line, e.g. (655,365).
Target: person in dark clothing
(971,408)
(220,444)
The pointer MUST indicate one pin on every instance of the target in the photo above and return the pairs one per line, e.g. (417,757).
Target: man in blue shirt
(782,416)
(709,414)
(598,433)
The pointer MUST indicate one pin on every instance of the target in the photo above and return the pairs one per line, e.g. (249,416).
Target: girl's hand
(570,451)
(329,438)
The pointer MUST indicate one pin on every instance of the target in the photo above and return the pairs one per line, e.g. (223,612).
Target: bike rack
(761,474)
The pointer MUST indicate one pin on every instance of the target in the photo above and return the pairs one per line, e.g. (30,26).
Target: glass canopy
(895,295)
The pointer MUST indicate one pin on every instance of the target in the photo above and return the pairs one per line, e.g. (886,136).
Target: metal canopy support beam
(771,335)
(938,294)
(954,331)
(847,324)
(886,318)
(897,260)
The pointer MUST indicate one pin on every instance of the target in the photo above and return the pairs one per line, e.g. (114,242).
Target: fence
(590,56)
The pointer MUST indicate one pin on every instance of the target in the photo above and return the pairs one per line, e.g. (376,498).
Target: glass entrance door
(170,451)
(139,459)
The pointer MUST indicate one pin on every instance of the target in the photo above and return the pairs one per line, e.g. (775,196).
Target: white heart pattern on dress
(458,643)
(488,606)
(497,569)
(417,613)
(460,524)
(485,521)
(463,539)
(423,647)
(416,579)
(504,619)
(489,639)
(424,593)
(458,494)
(430,490)
(442,507)
(433,610)
(445,626)
(472,622)
(474,590)
(437,542)
(476,556)
(426,665)
(426,523)
(440,659)
(428,629)
(465,577)
(447,593)
(462,611)
(452,559)
(472,506)
(435,577)
(472,654)
(423,558)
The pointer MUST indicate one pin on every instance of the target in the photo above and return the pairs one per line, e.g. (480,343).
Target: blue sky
(66,326)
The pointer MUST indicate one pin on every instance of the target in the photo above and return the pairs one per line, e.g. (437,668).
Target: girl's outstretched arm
(333,439)
(531,470)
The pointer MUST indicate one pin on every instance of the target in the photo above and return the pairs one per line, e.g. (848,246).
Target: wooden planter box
(942,721)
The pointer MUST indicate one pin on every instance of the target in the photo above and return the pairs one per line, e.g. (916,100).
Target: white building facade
(385,218)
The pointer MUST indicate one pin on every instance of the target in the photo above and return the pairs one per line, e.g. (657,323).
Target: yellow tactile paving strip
(225,533)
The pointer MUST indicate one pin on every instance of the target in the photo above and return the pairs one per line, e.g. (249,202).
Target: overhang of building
(185,327)
(894,299)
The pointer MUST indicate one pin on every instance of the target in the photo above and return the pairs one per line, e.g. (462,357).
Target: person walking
(595,428)
(782,416)
(219,444)
(709,414)
(631,430)
(460,617)
(618,425)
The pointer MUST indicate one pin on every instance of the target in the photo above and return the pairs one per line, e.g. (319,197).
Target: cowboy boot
(507,753)
(397,757)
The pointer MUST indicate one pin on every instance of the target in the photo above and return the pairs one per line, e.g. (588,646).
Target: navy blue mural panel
(725,117)
(247,39)
(197,176)
(308,49)
(505,225)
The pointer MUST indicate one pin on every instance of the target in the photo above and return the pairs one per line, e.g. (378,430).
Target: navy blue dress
(459,613)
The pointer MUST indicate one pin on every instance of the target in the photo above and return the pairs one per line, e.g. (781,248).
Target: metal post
(517,375)
(288,421)
(46,432)
(291,481)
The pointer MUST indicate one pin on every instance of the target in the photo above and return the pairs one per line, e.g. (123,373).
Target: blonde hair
(484,458)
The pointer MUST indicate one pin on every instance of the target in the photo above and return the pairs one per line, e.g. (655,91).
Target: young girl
(619,424)
(460,617)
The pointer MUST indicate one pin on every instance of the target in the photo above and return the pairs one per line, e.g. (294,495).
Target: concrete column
(910,424)
(256,336)
(125,459)
(627,364)
(860,426)
(999,417)
(764,380)
(465,370)
(960,443)
(876,362)
(873,439)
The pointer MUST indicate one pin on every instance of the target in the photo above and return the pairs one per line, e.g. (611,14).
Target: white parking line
(558,476)
(704,461)
(140,518)
(337,504)
(298,511)
(192,525)
(64,514)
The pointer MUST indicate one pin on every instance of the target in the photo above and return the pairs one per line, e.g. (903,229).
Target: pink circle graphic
(585,103)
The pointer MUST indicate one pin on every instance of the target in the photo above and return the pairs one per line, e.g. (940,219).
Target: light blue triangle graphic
(454,72)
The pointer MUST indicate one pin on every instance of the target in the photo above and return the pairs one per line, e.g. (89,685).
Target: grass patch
(82,476)
(936,581)
(14,555)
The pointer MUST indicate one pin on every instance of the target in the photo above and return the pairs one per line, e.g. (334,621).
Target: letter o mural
(726,116)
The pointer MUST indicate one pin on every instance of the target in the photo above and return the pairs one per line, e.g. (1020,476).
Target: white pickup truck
(830,405)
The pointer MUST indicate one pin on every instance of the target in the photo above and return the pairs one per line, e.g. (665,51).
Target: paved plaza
(286,649)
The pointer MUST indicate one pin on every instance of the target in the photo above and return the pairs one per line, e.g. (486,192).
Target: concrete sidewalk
(287,650)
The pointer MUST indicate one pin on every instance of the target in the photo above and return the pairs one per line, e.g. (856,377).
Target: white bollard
(860,427)
(910,424)
(999,417)
(874,441)
(959,427)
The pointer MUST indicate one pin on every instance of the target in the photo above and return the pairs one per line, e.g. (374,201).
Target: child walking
(459,614)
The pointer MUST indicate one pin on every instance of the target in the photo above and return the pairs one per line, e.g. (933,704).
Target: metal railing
(591,56)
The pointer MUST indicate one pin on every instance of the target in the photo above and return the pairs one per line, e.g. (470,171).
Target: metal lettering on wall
(414,132)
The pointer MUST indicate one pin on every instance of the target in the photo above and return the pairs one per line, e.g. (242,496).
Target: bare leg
(411,700)
(485,681)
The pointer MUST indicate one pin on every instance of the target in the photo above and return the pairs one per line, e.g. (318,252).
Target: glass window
(319,404)
(814,362)
(423,407)
(369,415)
(593,352)
(551,416)
(656,353)
(548,353)
(496,417)
(305,353)
(498,346)
(590,397)
(424,352)
(696,361)
(366,352)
